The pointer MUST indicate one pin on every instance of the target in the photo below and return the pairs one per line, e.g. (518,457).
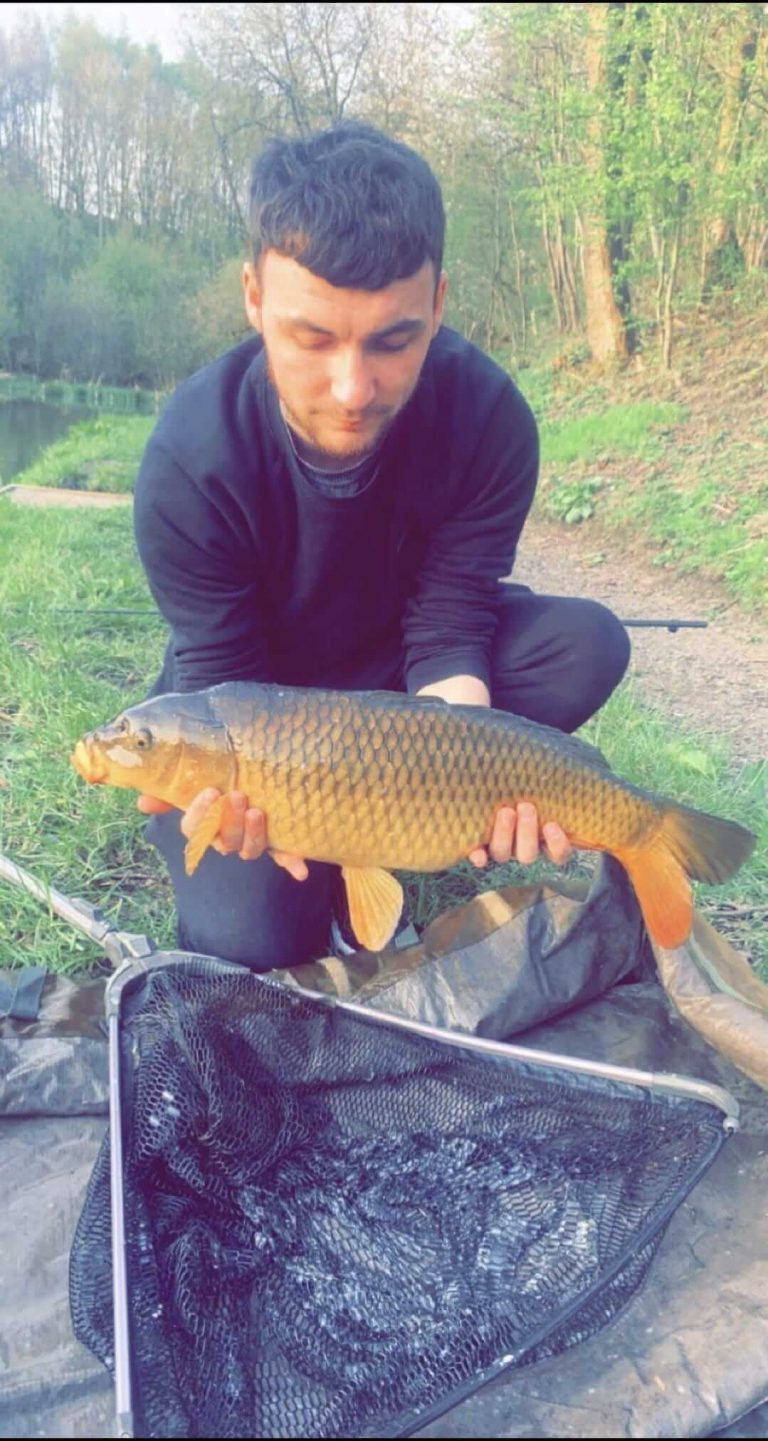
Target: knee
(599,645)
(596,659)
(558,659)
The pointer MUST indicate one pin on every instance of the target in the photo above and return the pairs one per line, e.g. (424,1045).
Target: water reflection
(28,426)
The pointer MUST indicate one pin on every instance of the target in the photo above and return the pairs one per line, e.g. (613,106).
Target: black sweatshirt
(262,577)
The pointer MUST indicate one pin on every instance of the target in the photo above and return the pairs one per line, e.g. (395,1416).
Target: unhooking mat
(687,1356)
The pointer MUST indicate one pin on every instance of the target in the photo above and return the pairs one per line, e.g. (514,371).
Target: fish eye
(143,739)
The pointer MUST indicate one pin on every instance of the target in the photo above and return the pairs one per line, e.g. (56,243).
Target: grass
(62,670)
(101,454)
(66,665)
(708,525)
(683,479)
(634,429)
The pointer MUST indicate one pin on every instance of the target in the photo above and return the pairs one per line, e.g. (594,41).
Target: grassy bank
(72,655)
(678,473)
(101,454)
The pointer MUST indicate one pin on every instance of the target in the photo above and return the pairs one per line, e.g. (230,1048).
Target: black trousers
(555,660)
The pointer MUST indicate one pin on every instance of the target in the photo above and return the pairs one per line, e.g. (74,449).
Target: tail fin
(687,845)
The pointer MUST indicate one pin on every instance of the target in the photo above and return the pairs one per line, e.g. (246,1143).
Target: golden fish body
(376,781)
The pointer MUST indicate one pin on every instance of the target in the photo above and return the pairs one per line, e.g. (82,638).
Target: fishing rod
(671,625)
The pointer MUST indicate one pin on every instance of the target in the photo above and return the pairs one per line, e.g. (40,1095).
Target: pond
(28,426)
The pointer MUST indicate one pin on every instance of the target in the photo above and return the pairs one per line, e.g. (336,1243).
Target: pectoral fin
(375,902)
(204,834)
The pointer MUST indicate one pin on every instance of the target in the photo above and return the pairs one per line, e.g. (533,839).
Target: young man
(336,503)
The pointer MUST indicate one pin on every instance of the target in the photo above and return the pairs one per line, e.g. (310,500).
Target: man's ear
(442,286)
(252,294)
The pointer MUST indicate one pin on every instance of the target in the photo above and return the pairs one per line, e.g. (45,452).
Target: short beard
(347,458)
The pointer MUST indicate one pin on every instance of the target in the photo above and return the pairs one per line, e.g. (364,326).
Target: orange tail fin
(687,845)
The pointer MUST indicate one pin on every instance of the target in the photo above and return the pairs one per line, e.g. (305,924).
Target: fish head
(171,746)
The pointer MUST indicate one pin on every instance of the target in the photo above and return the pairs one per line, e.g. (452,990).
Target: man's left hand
(516,833)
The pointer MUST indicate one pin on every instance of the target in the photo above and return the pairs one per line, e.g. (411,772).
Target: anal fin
(375,901)
(204,834)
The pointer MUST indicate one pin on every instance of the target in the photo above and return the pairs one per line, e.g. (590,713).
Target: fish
(376,781)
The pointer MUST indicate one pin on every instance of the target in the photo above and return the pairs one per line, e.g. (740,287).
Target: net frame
(664,1088)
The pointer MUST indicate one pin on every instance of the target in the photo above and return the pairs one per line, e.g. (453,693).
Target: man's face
(343,362)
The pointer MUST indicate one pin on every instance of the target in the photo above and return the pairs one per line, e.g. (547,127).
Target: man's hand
(516,833)
(243,831)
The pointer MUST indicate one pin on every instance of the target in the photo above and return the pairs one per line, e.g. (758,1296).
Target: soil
(43,495)
(713,681)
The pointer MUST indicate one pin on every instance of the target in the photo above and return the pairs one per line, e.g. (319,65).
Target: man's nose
(352,384)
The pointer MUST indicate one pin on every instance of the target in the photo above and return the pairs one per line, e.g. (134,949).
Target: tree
(606,330)
(722,254)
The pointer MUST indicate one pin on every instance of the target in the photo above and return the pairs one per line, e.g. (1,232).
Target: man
(336,503)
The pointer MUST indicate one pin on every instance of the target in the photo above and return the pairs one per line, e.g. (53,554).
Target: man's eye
(389,347)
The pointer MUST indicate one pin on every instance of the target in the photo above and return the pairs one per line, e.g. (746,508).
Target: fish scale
(377,781)
(406,784)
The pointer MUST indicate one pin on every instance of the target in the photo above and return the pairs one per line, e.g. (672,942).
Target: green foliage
(111,153)
(570,501)
(125,318)
(28,256)
(101,454)
(112,398)
(701,524)
(218,318)
(700,499)
(629,428)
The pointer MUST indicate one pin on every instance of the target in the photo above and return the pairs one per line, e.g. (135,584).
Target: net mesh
(337,1228)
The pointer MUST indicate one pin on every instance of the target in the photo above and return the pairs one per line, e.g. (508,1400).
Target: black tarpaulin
(686,1358)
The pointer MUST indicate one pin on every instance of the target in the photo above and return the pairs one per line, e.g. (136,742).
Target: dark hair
(354,206)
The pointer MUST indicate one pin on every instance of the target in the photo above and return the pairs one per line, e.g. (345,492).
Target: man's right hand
(243,831)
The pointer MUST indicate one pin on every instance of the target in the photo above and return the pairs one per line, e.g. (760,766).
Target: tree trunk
(606,332)
(722,245)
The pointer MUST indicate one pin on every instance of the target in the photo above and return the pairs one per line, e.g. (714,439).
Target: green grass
(697,501)
(101,454)
(711,524)
(64,669)
(627,429)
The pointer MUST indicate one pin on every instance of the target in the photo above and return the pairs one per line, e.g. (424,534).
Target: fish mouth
(89,764)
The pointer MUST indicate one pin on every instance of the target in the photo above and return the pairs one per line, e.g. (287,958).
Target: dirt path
(50,495)
(713,681)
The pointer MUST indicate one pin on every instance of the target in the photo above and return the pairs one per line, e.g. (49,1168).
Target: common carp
(376,781)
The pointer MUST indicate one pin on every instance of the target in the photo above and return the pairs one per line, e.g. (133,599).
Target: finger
(556,843)
(232,828)
(152,805)
(195,812)
(479,857)
(527,836)
(254,835)
(295,865)
(503,836)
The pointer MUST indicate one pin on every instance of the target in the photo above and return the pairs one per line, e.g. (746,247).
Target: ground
(713,681)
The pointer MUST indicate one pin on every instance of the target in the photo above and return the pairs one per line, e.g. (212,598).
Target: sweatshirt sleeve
(203,580)
(451,619)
